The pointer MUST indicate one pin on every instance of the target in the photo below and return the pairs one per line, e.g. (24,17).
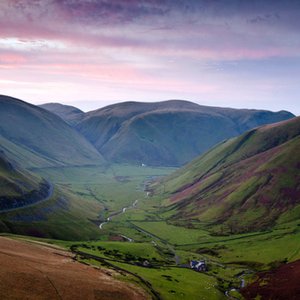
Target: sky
(91,53)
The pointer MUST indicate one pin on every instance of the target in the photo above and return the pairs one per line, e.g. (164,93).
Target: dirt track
(31,271)
(281,284)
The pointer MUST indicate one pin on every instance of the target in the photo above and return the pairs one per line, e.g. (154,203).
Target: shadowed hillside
(166,133)
(30,205)
(37,138)
(243,184)
(19,187)
(69,114)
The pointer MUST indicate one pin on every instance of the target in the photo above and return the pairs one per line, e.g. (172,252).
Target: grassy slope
(245,183)
(65,215)
(83,197)
(166,133)
(14,181)
(26,157)
(35,138)
(171,138)
(41,137)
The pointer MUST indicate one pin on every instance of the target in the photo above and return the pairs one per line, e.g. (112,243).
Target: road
(49,195)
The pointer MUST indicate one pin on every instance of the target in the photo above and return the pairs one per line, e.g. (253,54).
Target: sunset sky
(92,53)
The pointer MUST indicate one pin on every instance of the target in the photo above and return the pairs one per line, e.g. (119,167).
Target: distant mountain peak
(69,114)
(170,132)
(34,136)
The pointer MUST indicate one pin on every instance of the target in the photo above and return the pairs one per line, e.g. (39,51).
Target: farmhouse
(198,265)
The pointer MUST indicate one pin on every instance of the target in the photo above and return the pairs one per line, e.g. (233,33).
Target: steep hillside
(18,187)
(37,138)
(166,133)
(69,114)
(243,184)
(31,205)
(281,283)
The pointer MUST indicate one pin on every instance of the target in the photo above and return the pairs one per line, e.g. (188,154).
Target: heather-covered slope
(37,138)
(166,133)
(69,114)
(281,284)
(243,184)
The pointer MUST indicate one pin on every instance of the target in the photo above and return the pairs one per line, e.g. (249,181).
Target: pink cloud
(99,25)
(151,47)
(12,59)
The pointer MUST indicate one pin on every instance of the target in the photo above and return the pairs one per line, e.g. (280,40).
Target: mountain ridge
(166,133)
(70,114)
(36,137)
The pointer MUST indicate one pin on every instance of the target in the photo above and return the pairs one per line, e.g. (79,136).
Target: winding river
(122,211)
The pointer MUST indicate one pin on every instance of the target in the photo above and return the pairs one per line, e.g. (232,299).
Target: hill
(69,114)
(19,187)
(39,271)
(281,283)
(37,138)
(168,133)
(244,184)
(31,205)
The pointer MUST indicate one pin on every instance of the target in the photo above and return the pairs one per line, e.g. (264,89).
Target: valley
(149,150)
(236,207)
(168,248)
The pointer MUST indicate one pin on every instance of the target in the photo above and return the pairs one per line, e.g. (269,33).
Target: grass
(124,251)
(263,251)
(226,190)
(172,234)
(242,184)
(114,186)
(64,216)
(178,283)
(263,247)
(170,282)
(41,136)
(96,192)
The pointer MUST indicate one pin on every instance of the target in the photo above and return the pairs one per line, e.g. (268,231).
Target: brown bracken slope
(280,284)
(31,271)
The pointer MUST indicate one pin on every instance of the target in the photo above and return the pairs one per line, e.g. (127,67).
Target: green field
(168,245)
(114,186)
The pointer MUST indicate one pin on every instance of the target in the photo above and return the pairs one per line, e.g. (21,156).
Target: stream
(242,284)
(123,210)
(176,257)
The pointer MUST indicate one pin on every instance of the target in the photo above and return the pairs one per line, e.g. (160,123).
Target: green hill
(37,138)
(14,181)
(244,184)
(30,205)
(168,133)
